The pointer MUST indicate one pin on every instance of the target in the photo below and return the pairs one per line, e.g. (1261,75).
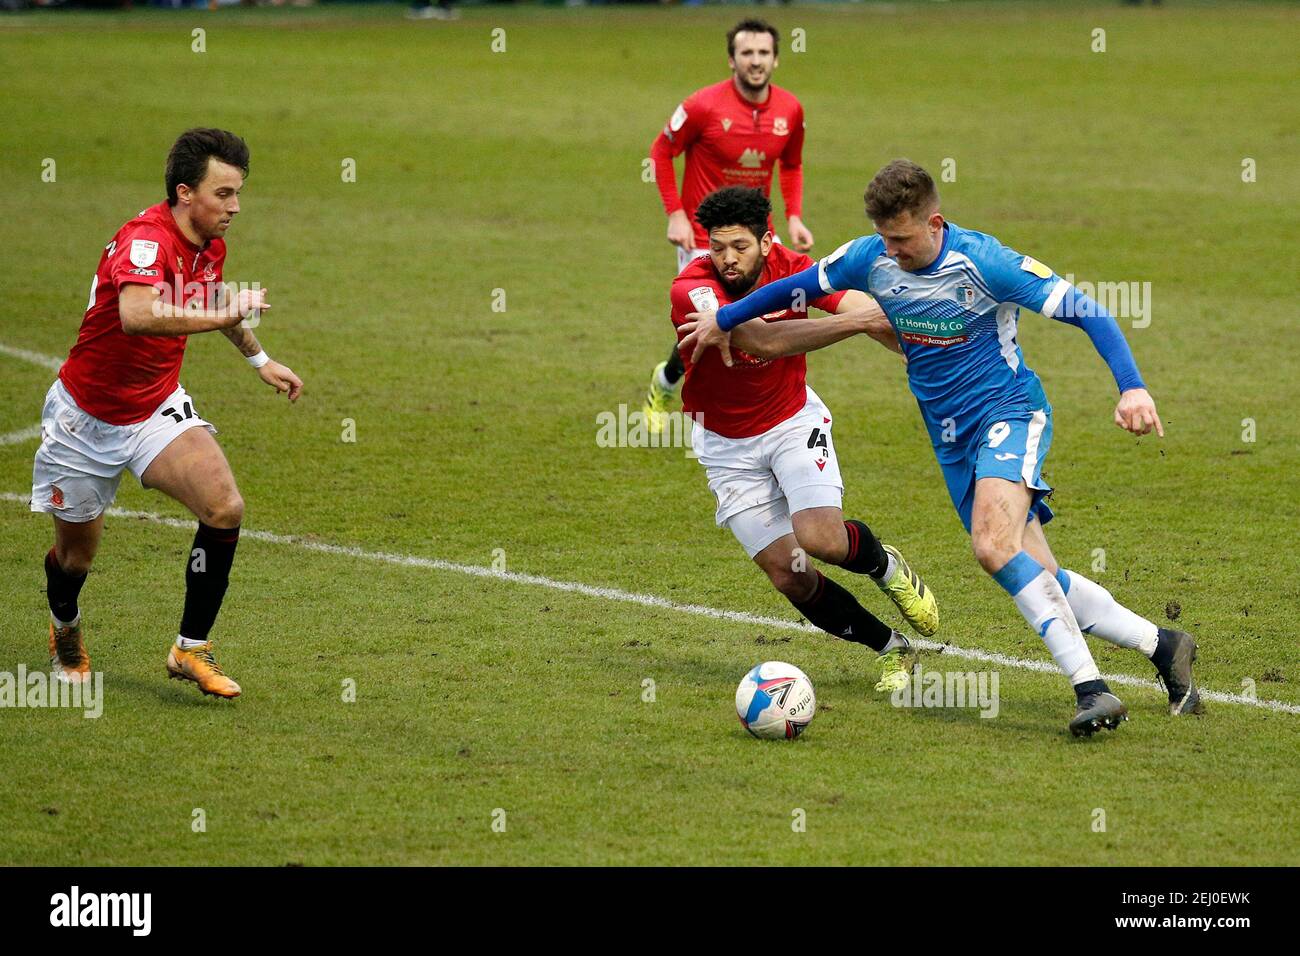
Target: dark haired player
(764,437)
(733,133)
(954,296)
(117,403)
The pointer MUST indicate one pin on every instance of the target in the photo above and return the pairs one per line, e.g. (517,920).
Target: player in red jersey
(764,437)
(733,133)
(118,404)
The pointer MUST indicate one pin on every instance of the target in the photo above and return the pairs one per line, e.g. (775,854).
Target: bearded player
(954,296)
(733,133)
(764,437)
(117,403)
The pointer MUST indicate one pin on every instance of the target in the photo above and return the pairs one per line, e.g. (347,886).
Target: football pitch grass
(488,179)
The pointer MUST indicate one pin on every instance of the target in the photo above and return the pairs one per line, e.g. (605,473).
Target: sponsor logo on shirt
(939,341)
(943,327)
(752,158)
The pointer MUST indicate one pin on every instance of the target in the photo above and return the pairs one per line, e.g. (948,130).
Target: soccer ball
(775,701)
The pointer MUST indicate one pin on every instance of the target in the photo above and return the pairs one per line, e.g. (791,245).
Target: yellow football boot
(896,666)
(658,402)
(198,664)
(906,589)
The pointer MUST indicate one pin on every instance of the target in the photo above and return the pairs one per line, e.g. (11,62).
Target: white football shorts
(81,459)
(759,482)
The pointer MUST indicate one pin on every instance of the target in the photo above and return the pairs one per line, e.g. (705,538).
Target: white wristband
(258,360)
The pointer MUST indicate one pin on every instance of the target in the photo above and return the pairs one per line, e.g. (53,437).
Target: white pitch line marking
(650,600)
(22,435)
(33,358)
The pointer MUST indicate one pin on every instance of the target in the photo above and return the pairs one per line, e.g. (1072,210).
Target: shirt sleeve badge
(143,252)
(1033,266)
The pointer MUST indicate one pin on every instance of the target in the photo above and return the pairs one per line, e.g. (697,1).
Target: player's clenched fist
(1136,412)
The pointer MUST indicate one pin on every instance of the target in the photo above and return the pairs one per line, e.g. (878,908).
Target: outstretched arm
(712,329)
(877,324)
(855,314)
(769,340)
(1136,411)
(143,310)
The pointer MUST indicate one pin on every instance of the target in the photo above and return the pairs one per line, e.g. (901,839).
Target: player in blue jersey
(954,297)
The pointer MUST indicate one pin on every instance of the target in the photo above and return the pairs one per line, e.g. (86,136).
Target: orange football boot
(68,655)
(198,664)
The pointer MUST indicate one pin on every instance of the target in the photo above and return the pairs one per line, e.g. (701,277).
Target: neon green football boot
(906,589)
(896,666)
(658,402)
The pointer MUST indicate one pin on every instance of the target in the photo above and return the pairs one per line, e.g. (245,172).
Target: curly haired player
(764,436)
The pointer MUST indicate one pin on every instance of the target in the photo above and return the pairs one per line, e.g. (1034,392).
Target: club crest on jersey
(143,252)
(56,496)
(780,127)
(966,294)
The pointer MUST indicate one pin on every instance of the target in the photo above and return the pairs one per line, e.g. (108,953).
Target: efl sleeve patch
(143,252)
(704,299)
(1033,266)
(678,118)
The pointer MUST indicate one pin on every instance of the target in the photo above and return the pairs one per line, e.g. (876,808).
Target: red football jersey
(118,378)
(754,394)
(730,141)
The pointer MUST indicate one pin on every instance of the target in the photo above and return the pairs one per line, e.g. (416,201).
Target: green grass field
(475,441)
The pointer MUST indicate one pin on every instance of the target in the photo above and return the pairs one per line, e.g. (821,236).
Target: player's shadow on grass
(168,692)
(971,716)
